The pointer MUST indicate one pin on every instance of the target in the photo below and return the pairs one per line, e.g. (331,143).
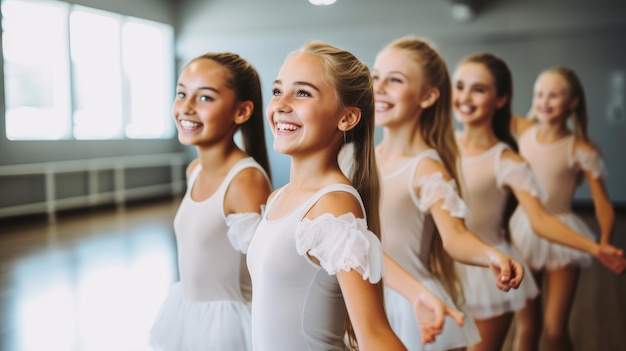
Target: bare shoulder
(336,203)
(429,166)
(508,154)
(584,146)
(248,190)
(520,124)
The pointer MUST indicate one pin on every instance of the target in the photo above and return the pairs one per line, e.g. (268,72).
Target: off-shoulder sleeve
(433,188)
(241,228)
(591,161)
(341,243)
(519,175)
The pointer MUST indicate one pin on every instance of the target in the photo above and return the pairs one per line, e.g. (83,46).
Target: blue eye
(206,98)
(303,93)
(180,95)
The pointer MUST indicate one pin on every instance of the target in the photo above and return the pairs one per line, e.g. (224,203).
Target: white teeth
(382,105)
(465,108)
(189,124)
(286,127)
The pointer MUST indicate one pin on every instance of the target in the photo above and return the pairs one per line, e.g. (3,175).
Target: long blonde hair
(437,131)
(579,116)
(352,81)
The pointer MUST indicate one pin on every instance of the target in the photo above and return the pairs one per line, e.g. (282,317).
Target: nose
(280,104)
(186,106)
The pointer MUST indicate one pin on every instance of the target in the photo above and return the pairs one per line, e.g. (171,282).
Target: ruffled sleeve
(341,243)
(241,228)
(434,188)
(519,175)
(591,161)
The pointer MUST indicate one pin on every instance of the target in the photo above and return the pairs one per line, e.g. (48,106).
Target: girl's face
(304,112)
(551,100)
(474,96)
(205,107)
(399,87)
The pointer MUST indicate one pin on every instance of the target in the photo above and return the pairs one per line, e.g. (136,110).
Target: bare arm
(429,309)
(365,308)
(362,298)
(551,228)
(467,248)
(605,214)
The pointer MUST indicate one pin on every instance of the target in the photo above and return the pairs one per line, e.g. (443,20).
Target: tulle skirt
(483,299)
(183,325)
(540,253)
(403,321)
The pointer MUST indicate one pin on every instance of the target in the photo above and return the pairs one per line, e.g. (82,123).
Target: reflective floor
(95,280)
(92,281)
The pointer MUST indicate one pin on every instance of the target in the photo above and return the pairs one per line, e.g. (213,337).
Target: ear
(430,98)
(243,112)
(501,101)
(350,118)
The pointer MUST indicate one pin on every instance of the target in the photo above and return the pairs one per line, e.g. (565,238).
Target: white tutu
(483,299)
(184,325)
(540,253)
(404,324)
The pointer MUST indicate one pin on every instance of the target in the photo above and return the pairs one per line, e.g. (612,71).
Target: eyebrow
(202,88)
(278,81)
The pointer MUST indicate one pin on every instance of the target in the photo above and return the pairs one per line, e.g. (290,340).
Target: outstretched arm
(430,311)
(603,207)
(466,247)
(551,228)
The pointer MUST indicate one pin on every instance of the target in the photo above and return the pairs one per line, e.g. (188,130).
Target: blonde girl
(422,215)
(217,95)
(559,157)
(315,261)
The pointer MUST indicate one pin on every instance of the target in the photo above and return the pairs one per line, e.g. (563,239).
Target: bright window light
(72,72)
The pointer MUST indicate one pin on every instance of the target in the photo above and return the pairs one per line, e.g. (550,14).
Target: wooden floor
(95,280)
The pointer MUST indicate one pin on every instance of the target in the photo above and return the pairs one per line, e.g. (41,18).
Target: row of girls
(427,209)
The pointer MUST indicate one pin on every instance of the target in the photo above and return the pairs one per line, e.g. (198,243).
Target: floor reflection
(95,290)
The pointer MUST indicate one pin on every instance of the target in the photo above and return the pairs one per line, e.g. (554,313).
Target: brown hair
(244,80)
(501,121)
(435,126)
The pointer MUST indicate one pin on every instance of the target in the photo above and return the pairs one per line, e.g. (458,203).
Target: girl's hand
(507,271)
(612,258)
(431,312)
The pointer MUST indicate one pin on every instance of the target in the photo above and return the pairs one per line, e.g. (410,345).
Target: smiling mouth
(186,124)
(286,127)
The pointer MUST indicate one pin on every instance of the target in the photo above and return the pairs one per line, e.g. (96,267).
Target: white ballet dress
(206,310)
(558,168)
(297,304)
(488,179)
(407,232)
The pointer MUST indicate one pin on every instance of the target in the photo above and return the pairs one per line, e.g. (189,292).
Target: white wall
(531,35)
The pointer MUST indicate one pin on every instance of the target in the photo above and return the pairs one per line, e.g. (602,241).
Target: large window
(72,72)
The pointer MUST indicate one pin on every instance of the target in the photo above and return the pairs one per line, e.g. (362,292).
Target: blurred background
(88,87)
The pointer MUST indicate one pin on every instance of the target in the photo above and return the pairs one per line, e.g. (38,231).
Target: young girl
(491,170)
(217,95)
(314,263)
(559,157)
(422,212)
